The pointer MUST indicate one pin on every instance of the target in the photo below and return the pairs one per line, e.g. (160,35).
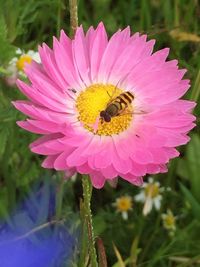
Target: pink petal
(129,57)
(97,179)
(64,60)
(61,161)
(49,162)
(109,172)
(42,140)
(132,179)
(31,128)
(97,48)
(39,113)
(34,95)
(81,58)
(45,85)
(50,127)
(50,66)
(77,158)
(115,45)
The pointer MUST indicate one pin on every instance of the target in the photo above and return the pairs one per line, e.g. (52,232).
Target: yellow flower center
(169,220)
(95,99)
(22,60)
(152,190)
(124,203)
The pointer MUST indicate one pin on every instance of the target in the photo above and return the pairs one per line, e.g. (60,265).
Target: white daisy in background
(16,65)
(124,204)
(150,195)
(169,222)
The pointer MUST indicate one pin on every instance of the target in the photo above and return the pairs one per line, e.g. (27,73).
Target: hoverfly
(116,106)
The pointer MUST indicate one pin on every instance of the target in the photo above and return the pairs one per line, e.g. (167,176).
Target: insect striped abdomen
(118,105)
(124,100)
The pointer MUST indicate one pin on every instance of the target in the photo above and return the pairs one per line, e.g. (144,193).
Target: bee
(116,106)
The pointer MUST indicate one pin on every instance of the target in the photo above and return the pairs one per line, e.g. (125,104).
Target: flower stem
(87,194)
(59,2)
(73,16)
(59,196)
(83,253)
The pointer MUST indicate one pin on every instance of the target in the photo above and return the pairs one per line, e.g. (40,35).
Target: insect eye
(102,113)
(107,118)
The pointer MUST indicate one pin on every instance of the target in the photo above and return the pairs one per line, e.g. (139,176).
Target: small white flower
(123,205)
(26,58)
(16,65)
(150,196)
(34,55)
(18,51)
(12,74)
(169,221)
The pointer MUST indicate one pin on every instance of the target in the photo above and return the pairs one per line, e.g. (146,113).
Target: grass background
(174,24)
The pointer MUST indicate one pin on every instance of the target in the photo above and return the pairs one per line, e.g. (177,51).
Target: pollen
(95,99)
(22,61)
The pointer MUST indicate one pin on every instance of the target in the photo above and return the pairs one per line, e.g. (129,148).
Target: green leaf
(189,166)
(196,88)
(3,202)
(3,140)
(134,251)
(7,50)
(3,27)
(195,205)
(99,224)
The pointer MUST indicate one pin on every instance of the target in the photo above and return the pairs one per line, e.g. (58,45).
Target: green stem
(59,197)
(87,194)
(176,13)
(59,17)
(73,8)
(83,253)
(196,88)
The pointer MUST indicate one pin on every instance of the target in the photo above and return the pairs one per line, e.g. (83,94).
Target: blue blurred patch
(31,237)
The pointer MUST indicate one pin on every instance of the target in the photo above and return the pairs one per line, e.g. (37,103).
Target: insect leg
(142,112)
(108,94)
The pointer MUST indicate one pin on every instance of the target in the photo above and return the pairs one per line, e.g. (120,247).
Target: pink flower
(79,78)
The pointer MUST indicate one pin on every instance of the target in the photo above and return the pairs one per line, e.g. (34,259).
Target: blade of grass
(195,206)
(119,257)
(196,88)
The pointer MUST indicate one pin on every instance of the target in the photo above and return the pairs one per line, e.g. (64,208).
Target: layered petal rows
(124,60)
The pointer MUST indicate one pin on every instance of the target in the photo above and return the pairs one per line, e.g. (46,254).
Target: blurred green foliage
(174,24)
